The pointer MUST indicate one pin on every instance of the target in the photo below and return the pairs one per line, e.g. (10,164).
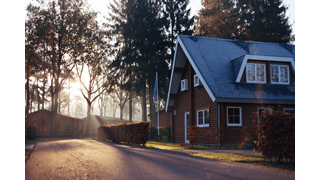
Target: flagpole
(158,102)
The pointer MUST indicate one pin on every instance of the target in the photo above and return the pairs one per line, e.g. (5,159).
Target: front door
(186,127)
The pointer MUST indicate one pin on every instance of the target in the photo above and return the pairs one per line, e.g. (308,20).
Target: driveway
(91,159)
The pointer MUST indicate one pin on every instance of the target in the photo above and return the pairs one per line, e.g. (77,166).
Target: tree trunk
(152,108)
(88,119)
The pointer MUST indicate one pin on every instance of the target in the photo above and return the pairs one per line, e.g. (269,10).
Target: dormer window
(256,73)
(196,81)
(279,74)
(184,84)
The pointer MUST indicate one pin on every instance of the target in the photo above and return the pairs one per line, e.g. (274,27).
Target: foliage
(194,134)
(30,132)
(276,136)
(134,133)
(256,20)
(250,135)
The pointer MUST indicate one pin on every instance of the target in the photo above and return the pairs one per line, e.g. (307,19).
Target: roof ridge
(222,39)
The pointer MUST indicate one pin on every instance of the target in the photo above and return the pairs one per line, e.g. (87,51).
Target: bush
(163,132)
(137,133)
(276,136)
(31,132)
(194,134)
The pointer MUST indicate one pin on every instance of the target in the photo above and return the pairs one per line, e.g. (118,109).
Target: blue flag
(155,88)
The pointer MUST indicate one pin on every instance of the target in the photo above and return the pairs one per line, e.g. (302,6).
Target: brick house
(165,119)
(68,126)
(229,84)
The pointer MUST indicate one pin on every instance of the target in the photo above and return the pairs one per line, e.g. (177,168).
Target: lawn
(168,145)
(248,158)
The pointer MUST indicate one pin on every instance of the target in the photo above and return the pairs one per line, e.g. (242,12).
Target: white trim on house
(184,85)
(263,58)
(203,118)
(279,71)
(256,74)
(196,81)
(240,114)
(290,109)
(270,110)
(186,53)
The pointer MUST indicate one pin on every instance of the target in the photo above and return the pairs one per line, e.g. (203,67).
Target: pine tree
(256,20)
(263,20)
(216,19)
(178,21)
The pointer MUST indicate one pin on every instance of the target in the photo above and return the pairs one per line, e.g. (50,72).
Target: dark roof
(219,61)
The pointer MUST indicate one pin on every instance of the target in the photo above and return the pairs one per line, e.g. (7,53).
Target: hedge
(276,136)
(135,133)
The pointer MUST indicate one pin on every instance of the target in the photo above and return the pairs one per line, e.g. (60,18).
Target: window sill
(234,124)
(207,125)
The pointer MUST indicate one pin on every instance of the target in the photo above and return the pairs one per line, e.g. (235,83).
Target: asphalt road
(91,159)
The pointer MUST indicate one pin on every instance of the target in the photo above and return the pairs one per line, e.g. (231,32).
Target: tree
(93,58)
(61,24)
(255,20)
(263,20)
(178,21)
(216,19)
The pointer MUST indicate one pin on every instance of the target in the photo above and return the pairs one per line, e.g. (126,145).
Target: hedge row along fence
(276,136)
(135,133)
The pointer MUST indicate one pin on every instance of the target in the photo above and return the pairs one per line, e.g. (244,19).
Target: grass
(168,145)
(248,158)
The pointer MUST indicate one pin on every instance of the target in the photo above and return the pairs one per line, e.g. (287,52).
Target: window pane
(230,119)
(237,119)
(206,117)
(274,71)
(200,117)
(251,72)
(260,72)
(284,74)
(230,111)
(236,111)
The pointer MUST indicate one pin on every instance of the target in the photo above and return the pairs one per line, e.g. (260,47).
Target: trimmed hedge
(136,133)
(276,136)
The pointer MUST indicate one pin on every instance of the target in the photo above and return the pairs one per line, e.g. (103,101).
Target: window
(289,110)
(184,85)
(262,112)
(234,116)
(256,73)
(279,74)
(174,112)
(203,118)
(196,81)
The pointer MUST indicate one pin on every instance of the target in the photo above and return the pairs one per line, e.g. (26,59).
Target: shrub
(137,133)
(169,131)
(31,132)
(162,132)
(276,136)
(153,133)
(194,134)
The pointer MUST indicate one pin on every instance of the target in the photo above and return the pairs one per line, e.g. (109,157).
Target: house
(68,126)
(227,84)
(165,119)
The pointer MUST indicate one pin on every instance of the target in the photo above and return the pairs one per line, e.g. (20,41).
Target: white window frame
(255,73)
(184,85)
(174,112)
(279,72)
(195,77)
(232,124)
(270,111)
(284,109)
(203,118)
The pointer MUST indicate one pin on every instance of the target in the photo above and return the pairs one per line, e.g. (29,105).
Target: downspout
(219,121)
